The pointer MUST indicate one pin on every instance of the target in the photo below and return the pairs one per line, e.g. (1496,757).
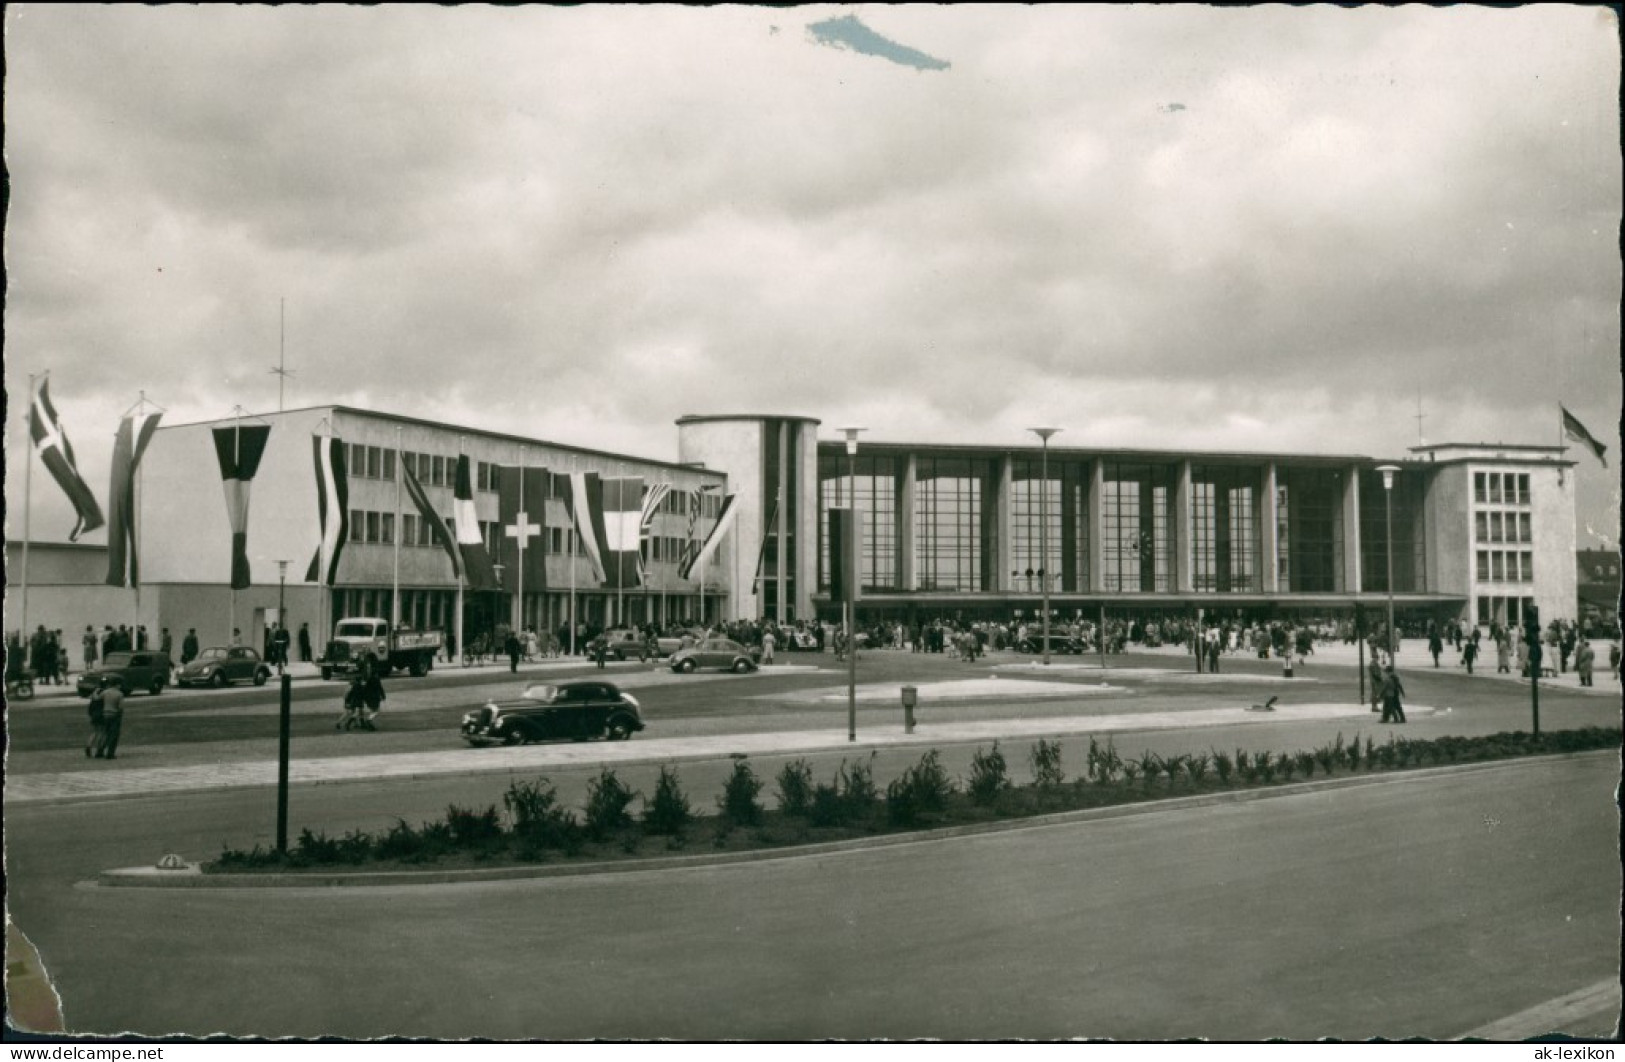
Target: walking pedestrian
(1435,646)
(1374,673)
(304,642)
(189,646)
(1585,659)
(1393,711)
(513,649)
(112,717)
(1469,653)
(90,642)
(98,723)
(768,644)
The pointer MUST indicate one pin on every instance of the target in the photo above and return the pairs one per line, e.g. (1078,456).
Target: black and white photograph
(812,524)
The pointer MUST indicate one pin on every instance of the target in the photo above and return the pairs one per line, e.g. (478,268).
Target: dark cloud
(585,222)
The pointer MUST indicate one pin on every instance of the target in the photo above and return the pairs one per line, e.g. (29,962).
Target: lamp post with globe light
(1388,495)
(1043,529)
(852,577)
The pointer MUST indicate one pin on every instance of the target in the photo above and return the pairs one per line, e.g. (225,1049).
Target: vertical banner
(470,543)
(725,521)
(239,449)
(438,530)
(522,508)
(653,498)
(56,453)
(623,514)
(332,508)
(123,562)
(586,503)
(844,551)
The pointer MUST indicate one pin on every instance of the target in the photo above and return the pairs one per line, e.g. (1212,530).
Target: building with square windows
(1476,533)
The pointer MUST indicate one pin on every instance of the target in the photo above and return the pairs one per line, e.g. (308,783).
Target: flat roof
(1080,451)
(705,418)
(399,418)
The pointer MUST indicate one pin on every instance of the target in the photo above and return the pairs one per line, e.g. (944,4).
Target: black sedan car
(555,710)
(1059,645)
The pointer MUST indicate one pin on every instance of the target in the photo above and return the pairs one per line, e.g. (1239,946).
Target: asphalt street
(1409,907)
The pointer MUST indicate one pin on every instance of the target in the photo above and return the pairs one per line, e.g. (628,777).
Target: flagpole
(236,459)
(524,521)
(462,646)
(135,520)
(570,540)
(28,494)
(395,586)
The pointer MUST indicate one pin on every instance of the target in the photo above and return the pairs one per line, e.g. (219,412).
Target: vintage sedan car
(670,643)
(138,670)
(717,652)
(1059,645)
(549,711)
(622,644)
(221,665)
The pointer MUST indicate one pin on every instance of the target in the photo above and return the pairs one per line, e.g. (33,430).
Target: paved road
(1416,907)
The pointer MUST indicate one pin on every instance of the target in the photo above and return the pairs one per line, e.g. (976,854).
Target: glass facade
(879,482)
(1065,500)
(1225,544)
(1136,521)
(1409,545)
(1309,530)
(955,535)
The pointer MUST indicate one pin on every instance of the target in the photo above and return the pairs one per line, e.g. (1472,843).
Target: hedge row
(533,825)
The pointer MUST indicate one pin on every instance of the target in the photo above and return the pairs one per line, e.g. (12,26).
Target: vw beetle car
(716,652)
(553,710)
(140,670)
(221,665)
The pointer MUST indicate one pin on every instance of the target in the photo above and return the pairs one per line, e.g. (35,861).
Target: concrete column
(1352,582)
(1002,520)
(1269,518)
(1097,537)
(1183,555)
(907,548)
(782,565)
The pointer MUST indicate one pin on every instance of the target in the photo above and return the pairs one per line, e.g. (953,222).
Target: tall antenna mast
(1419,418)
(282,371)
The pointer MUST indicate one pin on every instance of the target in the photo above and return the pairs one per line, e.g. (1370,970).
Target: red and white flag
(51,442)
(332,508)
(623,516)
(470,543)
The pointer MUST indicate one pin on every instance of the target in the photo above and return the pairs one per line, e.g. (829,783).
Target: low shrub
(1352,753)
(795,786)
(739,805)
(355,847)
(1045,759)
(316,848)
(1325,757)
(538,820)
(1306,763)
(1266,766)
(1287,765)
(607,800)
(1150,767)
(826,808)
(989,775)
(471,829)
(1196,765)
(858,791)
(1173,767)
(1223,765)
(669,812)
(923,789)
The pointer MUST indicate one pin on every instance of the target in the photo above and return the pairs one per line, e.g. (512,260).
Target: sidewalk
(1413,658)
(71,785)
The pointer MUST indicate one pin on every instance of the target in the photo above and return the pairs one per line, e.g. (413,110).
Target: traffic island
(531,835)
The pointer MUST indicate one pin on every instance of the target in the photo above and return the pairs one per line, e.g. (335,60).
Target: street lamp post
(281,613)
(852,578)
(496,606)
(1388,495)
(1043,529)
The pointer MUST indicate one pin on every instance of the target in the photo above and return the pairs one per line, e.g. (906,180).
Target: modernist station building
(1479,532)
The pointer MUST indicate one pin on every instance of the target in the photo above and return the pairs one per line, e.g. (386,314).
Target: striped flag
(123,564)
(691,545)
(586,504)
(623,513)
(653,498)
(239,449)
(725,520)
(332,508)
(477,567)
(45,428)
(437,526)
(761,554)
(1573,429)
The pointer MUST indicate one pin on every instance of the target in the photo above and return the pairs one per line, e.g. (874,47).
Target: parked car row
(143,669)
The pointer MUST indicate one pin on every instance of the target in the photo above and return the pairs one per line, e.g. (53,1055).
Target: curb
(192,876)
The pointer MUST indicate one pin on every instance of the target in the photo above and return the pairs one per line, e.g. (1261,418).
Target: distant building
(1597,589)
(1479,532)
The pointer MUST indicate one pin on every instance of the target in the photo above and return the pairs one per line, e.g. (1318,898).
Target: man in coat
(1392,710)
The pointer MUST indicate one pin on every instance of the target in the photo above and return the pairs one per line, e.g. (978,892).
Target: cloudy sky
(1257,228)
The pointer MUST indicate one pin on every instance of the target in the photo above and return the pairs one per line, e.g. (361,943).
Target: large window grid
(1224,529)
(1410,546)
(1136,520)
(877,486)
(954,535)
(1309,530)
(1035,502)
